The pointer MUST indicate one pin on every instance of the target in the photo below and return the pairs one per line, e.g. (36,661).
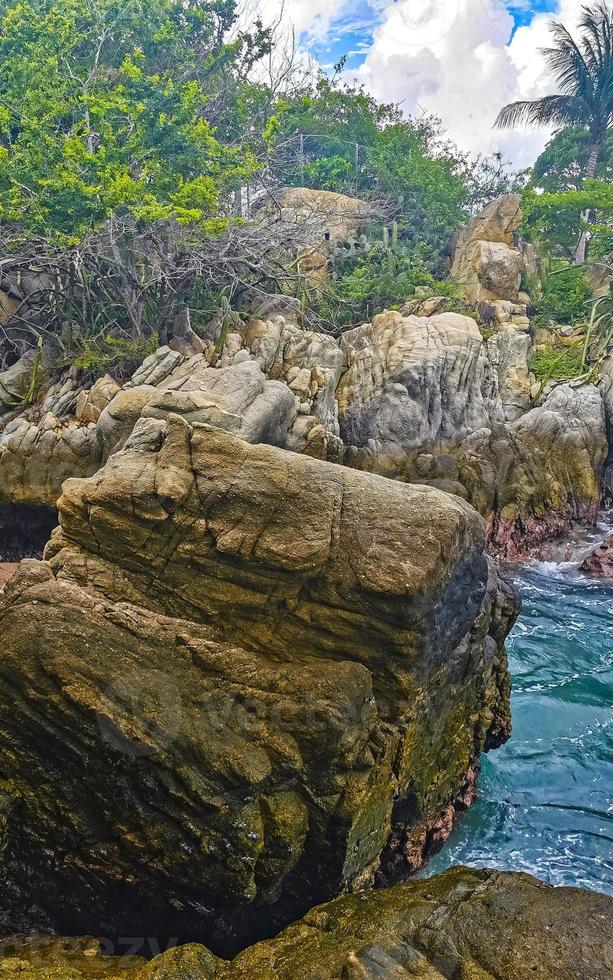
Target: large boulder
(334,218)
(490,259)
(243,681)
(238,398)
(549,466)
(426,400)
(413,387)
(508,352)
(489,271)
(466,923)
(497,222)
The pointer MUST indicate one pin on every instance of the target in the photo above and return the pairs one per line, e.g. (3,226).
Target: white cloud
(467,70)
(312,17)
(454,58)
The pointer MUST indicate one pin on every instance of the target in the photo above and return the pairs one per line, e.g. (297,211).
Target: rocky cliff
(414,398)
(416,395)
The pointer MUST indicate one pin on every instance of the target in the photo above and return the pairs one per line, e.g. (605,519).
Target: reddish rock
(6,570)
(600,562)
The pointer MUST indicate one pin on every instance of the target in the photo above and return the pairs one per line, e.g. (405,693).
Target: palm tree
(584,72)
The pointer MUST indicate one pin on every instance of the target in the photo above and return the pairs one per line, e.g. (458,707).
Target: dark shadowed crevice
(24,531)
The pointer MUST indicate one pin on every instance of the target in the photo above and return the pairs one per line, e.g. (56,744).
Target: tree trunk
(590,173)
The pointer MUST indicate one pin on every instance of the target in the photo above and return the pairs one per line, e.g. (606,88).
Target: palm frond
(568,64)
(593,42)
(597,26)
(556,110)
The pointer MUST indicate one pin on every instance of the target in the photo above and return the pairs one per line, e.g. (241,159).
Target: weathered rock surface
(76,958)
(416,395)
(274,383)
(487,262)
(552,464)
(473,924)
(600,562)
(606,390)
(335,217)
(477,925)
(600,275)
(497,222)
(491,260)
(412,386)
(422,399)
(243,681)
(43,444)
(508,352)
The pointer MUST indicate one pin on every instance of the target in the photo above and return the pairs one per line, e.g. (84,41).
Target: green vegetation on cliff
(135,141)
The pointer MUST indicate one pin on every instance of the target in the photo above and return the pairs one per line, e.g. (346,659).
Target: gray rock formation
(413,387)
(417,398)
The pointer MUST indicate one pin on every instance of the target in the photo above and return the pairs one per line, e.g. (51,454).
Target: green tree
(103,108)
(548,217)
(563,163)
(584,72)
(336,137)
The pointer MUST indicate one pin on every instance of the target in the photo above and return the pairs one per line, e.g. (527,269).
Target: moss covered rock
(466,924)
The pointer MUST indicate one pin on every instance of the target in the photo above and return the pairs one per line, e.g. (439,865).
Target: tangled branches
(132,282)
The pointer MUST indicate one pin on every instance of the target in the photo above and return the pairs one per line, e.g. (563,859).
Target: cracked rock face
(478,925)
(413,385)
(425,400)
(242,681)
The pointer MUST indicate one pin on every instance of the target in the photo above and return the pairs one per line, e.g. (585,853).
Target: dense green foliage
(566,298)
(133,135)
(555,363)
(366,282)
(332,136)
(562,164)
(555,219)
(102,108)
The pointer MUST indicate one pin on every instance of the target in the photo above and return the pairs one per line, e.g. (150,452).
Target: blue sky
(351,33)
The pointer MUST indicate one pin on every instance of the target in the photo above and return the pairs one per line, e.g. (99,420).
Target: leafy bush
(367,282)
(97,118)
(566,297)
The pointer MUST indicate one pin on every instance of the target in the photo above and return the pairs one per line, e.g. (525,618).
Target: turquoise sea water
(546,797)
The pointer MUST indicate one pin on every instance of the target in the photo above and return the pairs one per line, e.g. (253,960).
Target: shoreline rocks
(423,400)
(600,562)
